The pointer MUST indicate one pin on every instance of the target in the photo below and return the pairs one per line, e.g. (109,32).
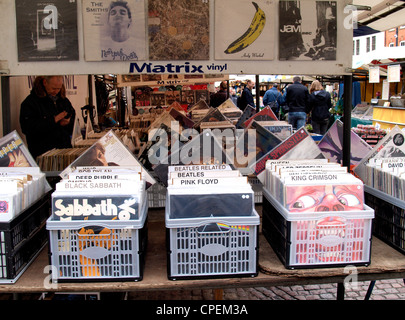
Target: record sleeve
(280,129)
(203,149)
(247,113)
(179,30)
(14,153)
(47,30)
(108,151)
(246,32)
(266,114)
(307,30)
(300,145)
(391,146)
(332,142)
(113,30)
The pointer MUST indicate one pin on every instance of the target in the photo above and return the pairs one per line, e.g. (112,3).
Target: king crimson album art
(47,30)
(307,30)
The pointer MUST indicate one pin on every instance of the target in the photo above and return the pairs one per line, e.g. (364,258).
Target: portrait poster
(307,30)
(47,30)
(178,29)
(244,30)
(114,30)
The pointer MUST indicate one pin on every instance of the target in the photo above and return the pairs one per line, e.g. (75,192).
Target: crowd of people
(296,102)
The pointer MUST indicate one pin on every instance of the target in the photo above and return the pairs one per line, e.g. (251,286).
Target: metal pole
(257,93)
(6,111)
(347,113)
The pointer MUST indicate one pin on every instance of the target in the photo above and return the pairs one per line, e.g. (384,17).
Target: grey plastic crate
(212,247)
(98,250)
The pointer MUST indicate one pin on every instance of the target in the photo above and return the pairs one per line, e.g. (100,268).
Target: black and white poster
(47,30)
(114,30)
(307,30)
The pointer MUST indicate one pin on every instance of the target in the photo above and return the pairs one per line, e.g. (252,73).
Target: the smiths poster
(114,30)
(47,30)
(307,30)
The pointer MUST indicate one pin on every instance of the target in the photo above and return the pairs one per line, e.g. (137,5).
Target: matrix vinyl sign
(185,37)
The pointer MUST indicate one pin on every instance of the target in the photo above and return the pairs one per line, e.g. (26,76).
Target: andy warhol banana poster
(244,30)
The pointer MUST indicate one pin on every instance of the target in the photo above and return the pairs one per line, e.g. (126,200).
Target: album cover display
(203,149)
(280,129)
(266,114)
(114,31)
(246,32)
(307,30)
(20,187)
(47,30)
(229,110)
(391,146)
(247,113)
(213,115)
(100,193)
(108,151)
(208,193)
(332,142)
(179,30)
(14,153)
(299,145)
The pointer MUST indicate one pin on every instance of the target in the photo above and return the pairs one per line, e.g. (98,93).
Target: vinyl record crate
(389,222)
(22,238)
(212,247)
(317,239)
(98,250)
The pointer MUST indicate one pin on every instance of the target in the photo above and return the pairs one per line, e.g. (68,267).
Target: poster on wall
(178,29)
(47,30)
(307,30)
(114,30)
(244,30)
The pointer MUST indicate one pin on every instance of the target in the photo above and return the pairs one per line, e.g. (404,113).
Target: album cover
(213,115)
(210,205)
(266,114)
(332,142)
(280,129)
(184,121)
(203,149)
(108,151)
(299,145)
(14,153)
(265,140)
(73,207)
(47,30)
(247,113)
(114,30)
(229,109)
(179,30)
(317,192)
(391,146)
(307,30)
(200,105)
(246,32)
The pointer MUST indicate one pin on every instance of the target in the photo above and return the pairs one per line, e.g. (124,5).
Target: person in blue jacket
(274,98)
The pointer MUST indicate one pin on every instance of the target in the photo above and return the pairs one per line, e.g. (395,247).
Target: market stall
(173,49)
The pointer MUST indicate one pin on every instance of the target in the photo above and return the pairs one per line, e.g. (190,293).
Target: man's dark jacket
(38,123)
(296,97)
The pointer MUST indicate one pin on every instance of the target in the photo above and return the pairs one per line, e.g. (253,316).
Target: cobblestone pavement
(393,289)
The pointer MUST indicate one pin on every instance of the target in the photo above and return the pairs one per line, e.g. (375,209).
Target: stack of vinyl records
(314,214)
(100,193)
(300,185)
(387,175)
(20,187)
(208,191)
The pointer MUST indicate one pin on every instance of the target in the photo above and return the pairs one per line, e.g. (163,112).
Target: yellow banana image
(251,34)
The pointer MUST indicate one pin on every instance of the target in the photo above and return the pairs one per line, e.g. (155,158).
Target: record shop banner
(194,37)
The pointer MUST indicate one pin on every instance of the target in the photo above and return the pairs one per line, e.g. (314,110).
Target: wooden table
(386,263)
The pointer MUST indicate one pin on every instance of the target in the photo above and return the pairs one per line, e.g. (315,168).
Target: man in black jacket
(296,99)
(246,97)
(47,116)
